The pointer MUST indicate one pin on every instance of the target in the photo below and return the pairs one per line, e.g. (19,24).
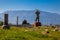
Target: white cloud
(1,11)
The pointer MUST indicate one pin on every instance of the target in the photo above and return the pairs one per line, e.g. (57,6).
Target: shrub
(24,22)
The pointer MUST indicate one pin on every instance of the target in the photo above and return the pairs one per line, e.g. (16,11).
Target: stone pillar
(17,21)
(5,25)
(5,19)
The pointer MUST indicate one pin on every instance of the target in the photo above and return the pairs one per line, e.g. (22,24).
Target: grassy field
(16,33)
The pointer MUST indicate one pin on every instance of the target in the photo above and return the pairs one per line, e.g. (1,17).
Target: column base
(5,26)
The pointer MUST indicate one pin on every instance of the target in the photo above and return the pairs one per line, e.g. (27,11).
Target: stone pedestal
(5,25)
(36,24)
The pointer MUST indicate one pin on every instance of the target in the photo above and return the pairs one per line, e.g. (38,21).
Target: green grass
(15,33)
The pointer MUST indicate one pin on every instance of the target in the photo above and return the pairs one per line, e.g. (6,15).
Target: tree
(1,23)
(24,22)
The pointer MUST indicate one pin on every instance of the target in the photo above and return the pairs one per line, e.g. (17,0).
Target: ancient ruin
(5,24)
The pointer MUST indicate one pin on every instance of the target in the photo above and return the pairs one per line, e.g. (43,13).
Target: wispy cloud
(1,11)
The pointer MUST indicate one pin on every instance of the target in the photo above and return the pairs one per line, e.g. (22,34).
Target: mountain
(46,18)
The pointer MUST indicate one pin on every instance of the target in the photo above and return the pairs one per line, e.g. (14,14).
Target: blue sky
(43,5)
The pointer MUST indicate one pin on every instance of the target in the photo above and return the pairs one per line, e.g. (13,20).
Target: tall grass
(15,33)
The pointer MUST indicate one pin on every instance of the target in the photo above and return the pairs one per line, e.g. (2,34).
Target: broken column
(5,24)
(17,21)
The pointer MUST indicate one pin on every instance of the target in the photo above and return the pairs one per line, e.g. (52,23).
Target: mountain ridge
(46,18)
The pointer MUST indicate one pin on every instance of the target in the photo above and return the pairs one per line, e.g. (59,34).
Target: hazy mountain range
(45,17)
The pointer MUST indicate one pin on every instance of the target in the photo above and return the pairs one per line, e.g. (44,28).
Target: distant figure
(37,22)
(37,16)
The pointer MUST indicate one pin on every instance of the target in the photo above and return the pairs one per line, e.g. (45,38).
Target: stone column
(5,19)
(17,21)
(5,25)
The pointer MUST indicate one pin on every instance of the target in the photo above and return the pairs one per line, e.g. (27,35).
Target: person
(37,16)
